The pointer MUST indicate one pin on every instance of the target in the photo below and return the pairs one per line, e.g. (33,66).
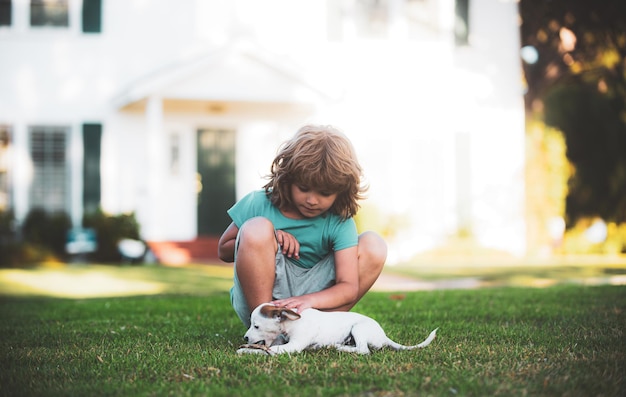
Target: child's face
(310,202)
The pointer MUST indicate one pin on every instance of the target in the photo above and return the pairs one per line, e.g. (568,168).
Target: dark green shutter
(5,13)
(92,16)
(92,135)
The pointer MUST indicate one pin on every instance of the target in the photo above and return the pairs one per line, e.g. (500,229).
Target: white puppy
(315,329)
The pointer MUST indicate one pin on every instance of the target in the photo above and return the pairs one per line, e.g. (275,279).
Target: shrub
(7,238)
(47,230)
(110,229)
(41,238)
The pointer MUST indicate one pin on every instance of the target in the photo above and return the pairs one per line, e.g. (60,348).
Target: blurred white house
(173,109)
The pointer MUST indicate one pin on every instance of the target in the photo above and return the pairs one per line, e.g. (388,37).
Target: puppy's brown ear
(271,311)
(280,313)
(288,314)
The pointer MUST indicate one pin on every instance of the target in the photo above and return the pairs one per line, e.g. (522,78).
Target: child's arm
(346,288)
(226,245)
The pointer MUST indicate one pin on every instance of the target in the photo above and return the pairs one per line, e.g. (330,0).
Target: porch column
(22,170)
(151,224)
(463,171)
(21,13)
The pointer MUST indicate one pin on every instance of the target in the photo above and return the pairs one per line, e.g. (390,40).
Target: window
(49,13)
(387,19)
(174,154)
(52,14)
(48,147)
(5,12)
(461,22)
(5,164)
(370,18)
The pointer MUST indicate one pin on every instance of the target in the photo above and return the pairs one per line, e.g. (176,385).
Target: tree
(576,79)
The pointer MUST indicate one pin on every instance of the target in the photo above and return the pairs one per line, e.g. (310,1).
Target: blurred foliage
(578,85)
(372,218)
(576,241)
(547,172)
(110,229)
(596,146)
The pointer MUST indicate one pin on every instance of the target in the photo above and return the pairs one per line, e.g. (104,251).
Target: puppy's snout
(246,339)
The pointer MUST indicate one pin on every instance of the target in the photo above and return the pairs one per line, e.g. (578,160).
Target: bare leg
(372,252)
(255,263)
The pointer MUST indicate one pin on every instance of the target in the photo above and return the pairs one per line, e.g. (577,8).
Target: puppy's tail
(430,338)
(426,342)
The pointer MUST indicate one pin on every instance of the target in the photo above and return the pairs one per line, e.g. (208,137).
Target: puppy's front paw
(246,350)
(254,349)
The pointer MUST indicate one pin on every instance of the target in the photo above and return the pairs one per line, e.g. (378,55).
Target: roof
(236,73)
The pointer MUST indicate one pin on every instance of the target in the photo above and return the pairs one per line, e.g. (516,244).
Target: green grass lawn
(563,340)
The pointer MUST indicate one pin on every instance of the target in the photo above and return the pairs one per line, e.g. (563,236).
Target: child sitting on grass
(295,242)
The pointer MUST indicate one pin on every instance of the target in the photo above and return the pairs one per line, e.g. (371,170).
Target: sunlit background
(143,121)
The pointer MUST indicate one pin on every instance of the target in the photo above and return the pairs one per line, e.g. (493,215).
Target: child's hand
(295,303)
(289,245)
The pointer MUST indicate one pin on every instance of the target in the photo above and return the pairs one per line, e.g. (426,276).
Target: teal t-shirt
(317,236)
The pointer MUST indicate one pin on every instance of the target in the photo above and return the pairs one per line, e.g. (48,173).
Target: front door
(216,180)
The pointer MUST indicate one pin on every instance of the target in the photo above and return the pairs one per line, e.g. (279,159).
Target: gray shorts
(291,280)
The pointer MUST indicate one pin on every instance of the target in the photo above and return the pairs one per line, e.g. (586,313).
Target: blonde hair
(319,158)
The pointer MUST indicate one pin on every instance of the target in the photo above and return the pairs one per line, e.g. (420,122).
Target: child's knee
(257,231)
(372,248)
